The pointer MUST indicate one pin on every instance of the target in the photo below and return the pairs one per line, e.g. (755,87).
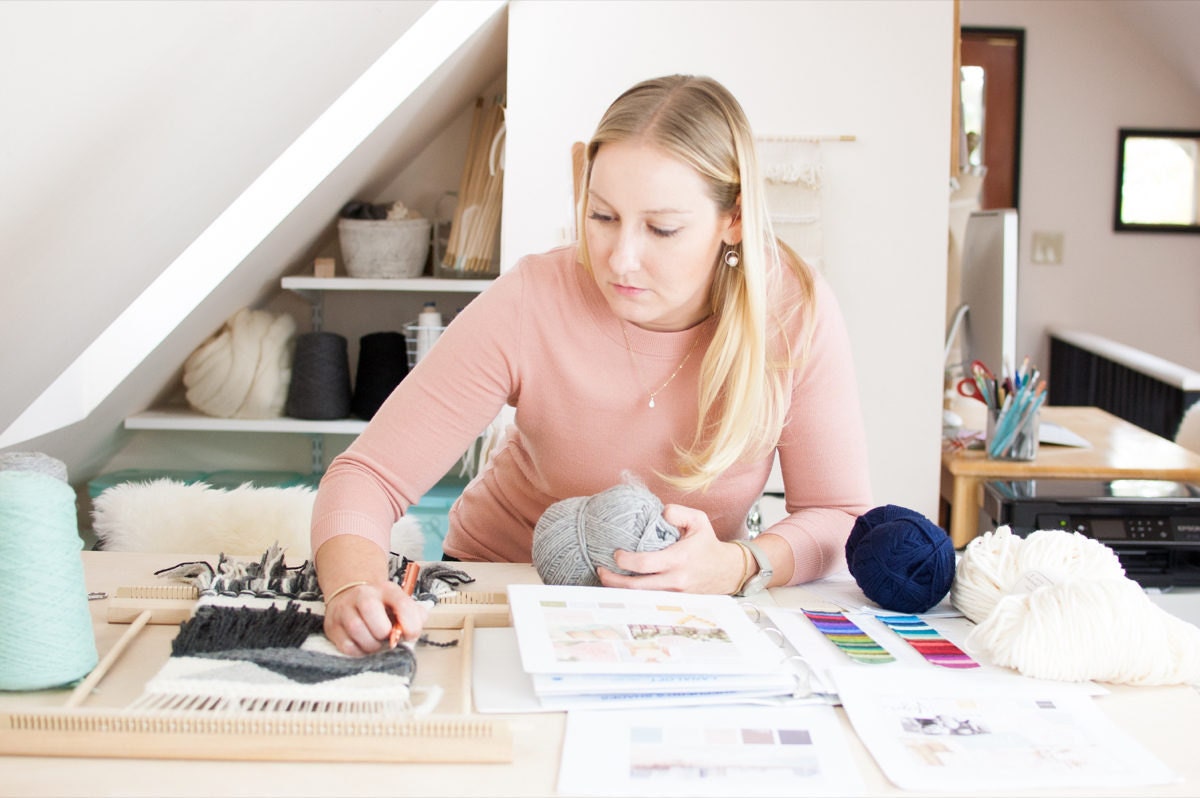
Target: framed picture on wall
(1158,181)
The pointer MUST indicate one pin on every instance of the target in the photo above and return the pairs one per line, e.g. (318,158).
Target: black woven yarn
(215,628)
(382,363)
(320,387)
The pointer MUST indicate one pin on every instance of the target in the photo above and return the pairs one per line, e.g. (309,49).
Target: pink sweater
(543,340)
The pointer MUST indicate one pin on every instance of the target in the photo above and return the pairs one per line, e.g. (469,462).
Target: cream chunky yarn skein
(1057,605)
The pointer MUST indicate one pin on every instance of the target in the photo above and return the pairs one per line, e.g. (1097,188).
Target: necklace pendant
(652,401)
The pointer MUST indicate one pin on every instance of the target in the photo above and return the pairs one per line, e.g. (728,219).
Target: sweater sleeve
(427,423)
(823,451)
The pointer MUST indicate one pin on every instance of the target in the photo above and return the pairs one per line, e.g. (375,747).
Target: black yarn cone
(382,363)
(320,387)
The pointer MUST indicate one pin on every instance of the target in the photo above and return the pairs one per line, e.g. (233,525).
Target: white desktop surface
(1165,719)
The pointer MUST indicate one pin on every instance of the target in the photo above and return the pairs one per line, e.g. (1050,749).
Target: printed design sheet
(948,732)
(726,751)
(610,631)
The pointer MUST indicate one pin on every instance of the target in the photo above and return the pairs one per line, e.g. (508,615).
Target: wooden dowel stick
(85,687)
(468,636)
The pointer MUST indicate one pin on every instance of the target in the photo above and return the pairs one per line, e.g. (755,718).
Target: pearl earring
(732,258)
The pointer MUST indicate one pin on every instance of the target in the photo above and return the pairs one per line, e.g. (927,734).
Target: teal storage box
(433,512)
(230,479)
(103,482)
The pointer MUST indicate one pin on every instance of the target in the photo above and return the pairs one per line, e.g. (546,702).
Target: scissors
(980,385)
(969,388)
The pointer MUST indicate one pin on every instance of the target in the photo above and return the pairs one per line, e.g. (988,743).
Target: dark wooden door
(1000,53)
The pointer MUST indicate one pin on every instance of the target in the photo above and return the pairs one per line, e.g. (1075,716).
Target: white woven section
(794,175)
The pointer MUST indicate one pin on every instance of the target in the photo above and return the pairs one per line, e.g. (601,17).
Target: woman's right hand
(360,620)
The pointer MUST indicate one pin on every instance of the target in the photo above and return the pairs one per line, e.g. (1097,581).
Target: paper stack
(588,647)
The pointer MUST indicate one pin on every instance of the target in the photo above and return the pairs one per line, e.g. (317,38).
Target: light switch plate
(1047,247)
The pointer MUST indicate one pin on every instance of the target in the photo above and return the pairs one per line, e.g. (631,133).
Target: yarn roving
(901,560)
(574,536)
(166,515)
(243,370)
(1057,605)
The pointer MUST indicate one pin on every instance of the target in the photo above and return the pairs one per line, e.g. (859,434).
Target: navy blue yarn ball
(901,560)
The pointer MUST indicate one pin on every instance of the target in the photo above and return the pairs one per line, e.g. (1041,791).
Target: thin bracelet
(746,565)
(343,589)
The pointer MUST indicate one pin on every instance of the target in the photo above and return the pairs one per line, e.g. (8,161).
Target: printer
(1152,525)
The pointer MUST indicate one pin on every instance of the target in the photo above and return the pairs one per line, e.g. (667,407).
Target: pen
(409,585)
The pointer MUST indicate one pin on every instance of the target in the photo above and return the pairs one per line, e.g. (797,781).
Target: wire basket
(418,339)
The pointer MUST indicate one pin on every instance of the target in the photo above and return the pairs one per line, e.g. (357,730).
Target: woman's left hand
(697,563)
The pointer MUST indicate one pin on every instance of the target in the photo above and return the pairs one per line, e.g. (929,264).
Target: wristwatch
(761,579)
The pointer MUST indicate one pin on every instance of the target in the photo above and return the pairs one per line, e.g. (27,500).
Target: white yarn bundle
(1057,605)
(244,370)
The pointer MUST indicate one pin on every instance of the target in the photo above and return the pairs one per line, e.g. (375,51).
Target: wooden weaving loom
(268,736)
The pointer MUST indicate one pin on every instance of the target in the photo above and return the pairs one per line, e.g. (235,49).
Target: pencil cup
(1011,437)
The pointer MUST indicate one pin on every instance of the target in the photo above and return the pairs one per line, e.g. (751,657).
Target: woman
(678,340)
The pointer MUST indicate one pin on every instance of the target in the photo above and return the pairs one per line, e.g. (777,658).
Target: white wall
(1087,73)
(129,127)
(877,70)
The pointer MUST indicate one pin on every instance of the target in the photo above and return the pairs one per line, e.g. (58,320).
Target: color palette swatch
(928,642)
(843,633)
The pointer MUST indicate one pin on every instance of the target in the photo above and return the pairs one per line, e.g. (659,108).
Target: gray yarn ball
(37,462)
(575,536)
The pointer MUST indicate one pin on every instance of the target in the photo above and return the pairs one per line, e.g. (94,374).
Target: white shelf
(301,283)
(185,419)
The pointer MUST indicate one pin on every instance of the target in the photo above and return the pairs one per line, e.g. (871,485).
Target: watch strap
(760,579)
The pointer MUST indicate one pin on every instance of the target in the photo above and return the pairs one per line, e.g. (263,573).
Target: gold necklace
(638,372)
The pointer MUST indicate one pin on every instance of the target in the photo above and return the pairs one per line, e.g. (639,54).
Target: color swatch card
(848,637)
(928,642)
(940,648)
(707,751)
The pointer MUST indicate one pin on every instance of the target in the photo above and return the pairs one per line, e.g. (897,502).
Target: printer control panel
(1146,529)
(1152,526)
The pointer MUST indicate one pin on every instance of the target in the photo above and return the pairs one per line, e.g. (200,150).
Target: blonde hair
(746,375)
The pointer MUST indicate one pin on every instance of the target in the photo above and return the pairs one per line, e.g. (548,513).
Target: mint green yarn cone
(46,637)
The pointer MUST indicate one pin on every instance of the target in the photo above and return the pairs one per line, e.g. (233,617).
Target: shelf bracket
(317,302)
(318,453)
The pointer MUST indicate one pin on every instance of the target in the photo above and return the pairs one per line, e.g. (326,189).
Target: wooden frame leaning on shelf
(472,244)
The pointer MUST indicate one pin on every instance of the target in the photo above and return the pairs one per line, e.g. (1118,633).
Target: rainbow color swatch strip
(843,633)
(928,642)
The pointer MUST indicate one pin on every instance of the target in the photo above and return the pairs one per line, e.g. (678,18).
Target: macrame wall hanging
(794,178)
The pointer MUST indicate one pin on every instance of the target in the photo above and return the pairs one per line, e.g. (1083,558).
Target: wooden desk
(1119,450)
(1162,719)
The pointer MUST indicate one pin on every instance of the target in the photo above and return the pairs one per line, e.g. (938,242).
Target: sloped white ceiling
(140,124)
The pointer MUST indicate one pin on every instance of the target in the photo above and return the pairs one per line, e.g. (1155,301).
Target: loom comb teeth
(167,603)
(173,591)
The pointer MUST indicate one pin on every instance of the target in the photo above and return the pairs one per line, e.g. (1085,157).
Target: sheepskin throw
(244,370)
(164,515)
